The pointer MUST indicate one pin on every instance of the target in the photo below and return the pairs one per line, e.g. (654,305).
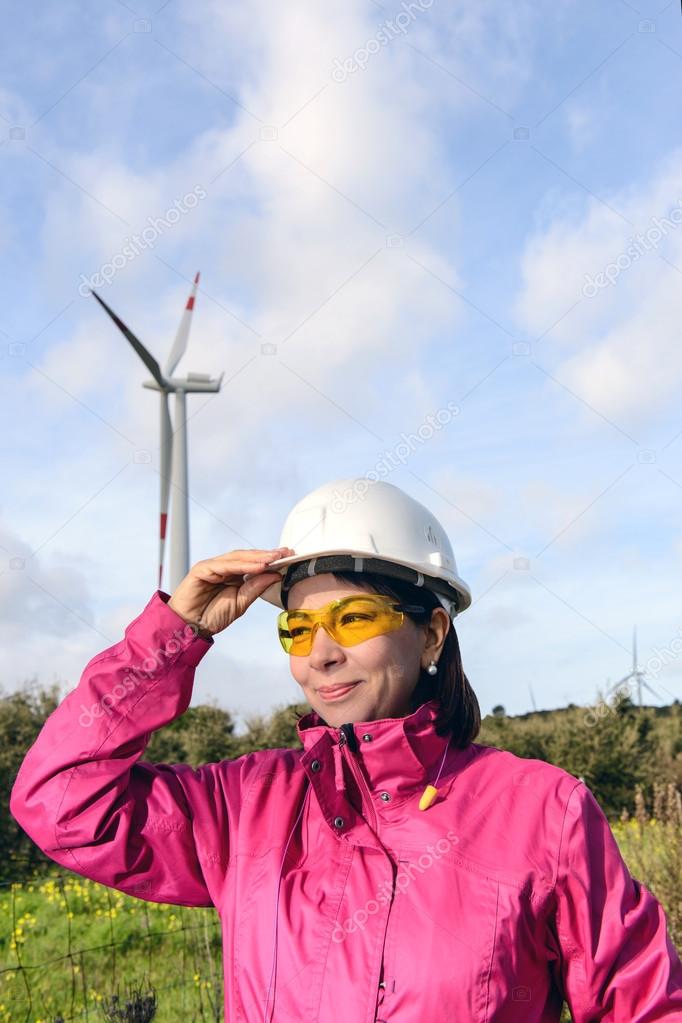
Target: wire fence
(64,958)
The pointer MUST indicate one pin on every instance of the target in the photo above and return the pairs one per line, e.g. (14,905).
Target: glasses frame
(321,616)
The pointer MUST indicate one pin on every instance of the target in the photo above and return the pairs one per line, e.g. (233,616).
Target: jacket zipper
(348,739)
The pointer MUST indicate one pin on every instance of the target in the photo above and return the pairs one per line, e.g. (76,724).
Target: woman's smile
(337,692)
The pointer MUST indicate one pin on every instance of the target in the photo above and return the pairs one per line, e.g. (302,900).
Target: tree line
(614,746)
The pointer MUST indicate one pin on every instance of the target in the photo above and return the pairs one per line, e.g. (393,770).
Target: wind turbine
(637,674)
(173,442)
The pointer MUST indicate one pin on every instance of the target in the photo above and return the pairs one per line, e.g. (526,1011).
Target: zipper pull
(339,781)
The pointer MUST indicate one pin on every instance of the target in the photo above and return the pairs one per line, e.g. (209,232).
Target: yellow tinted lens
(291,629)
(351,621)
(360,616)
(300,629)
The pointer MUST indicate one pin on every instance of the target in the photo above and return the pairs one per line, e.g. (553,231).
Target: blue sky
(427,225)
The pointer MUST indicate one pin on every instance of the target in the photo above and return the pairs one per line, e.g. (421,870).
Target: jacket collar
(401,755)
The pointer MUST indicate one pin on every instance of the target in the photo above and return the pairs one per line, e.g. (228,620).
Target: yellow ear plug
(428,796)
(430,792)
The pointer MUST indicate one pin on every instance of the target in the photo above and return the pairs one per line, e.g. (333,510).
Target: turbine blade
(620,681)
(166,453)
(647,686)
(634,648)
(180,343)
(147,358)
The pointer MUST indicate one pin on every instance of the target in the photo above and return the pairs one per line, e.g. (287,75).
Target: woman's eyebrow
(307,614)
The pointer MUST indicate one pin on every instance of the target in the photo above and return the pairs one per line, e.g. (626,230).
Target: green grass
(67,944)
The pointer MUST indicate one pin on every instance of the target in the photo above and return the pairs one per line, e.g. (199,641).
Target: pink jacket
(339,899)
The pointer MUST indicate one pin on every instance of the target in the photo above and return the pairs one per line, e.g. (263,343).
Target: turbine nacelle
(195,382)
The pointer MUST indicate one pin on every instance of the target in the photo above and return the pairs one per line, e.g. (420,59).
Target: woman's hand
(213,593)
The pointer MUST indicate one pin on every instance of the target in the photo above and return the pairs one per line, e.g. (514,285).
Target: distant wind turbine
(173,442)
(637,674)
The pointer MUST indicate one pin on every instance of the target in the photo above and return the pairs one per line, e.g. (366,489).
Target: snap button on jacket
(505,896)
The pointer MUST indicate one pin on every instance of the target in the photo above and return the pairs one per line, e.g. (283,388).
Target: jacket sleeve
(83,795)
(617,963)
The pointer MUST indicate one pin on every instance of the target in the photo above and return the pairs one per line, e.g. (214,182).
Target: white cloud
(623,337)
(581,123)
(299,233)
(45,592)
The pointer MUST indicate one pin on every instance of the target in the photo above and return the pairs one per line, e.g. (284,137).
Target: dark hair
(459,710)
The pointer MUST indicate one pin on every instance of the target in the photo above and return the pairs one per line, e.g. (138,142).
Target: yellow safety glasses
(349,621)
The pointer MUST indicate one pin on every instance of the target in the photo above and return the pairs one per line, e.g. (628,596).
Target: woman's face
(387,667)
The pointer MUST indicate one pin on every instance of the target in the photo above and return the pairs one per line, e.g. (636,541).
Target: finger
(243,593)
(254,552)
(255,585)
(236,571)
(224,564)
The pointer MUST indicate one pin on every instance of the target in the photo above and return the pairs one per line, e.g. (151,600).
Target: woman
(393,869)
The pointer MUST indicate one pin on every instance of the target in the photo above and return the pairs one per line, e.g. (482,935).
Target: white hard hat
(370,526)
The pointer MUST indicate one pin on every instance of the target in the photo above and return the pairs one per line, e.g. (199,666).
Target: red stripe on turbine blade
(164,518)
(190,302)
(196,279)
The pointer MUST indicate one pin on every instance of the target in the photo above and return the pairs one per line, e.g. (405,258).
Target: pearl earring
(432,669)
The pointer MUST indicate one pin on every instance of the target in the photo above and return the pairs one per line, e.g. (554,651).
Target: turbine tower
(637,674)
(173,442)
